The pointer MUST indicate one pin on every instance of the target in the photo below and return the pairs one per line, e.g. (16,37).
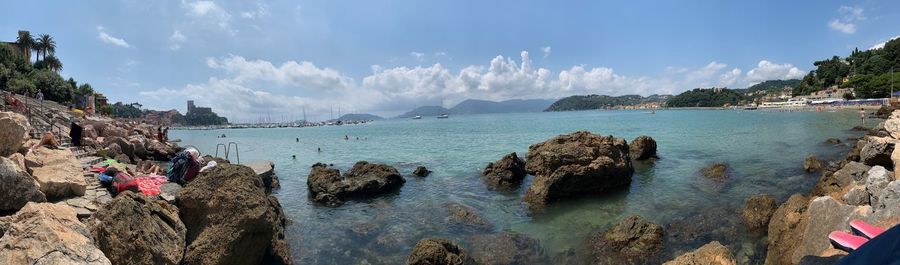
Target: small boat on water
(443,116)
(417,117)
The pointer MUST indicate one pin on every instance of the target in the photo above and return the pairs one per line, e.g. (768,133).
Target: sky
(250,59)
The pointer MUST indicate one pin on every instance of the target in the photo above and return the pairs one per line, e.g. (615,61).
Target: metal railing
(227,150)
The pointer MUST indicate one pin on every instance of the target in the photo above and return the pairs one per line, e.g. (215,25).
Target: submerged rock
(421,172)
(364,180)
(226,209)
(463,214)
(713,253)
(631,241)
(13,132)
(758,211)
(506,173)
(832,141)
(576,164)
(436,251)
(642,148)
(57,171)
(507,248)
(16,187)
(718,171)
(812,164)
(45,233)
(132,229)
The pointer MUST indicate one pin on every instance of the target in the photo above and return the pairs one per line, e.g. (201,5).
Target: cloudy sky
(251,58)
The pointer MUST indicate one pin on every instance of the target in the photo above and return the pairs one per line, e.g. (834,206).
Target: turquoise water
(765,151)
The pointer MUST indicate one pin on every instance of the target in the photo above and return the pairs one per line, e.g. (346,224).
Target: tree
(55,88)
(26,43)
(21,85)
(84,89)
(46,44)
(52,63)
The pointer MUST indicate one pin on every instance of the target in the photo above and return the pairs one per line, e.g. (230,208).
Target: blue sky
(249,58)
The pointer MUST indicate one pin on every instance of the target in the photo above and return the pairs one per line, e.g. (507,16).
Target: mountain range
(477,106)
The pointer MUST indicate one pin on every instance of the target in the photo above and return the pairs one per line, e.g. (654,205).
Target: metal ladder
(227,149)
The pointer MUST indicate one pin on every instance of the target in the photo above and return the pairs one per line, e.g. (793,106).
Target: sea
(764,150)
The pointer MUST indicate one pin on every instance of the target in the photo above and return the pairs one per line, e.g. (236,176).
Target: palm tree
(53,63)
(26,43)
(46,44)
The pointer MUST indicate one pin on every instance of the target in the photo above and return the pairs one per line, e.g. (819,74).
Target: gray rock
(878,178)
(169,191)
(642,148)
(16,187)
(266,171)
(466,215)
(812,164)
(887,198)
(877,152)
(825,215)
(506,173)
(857,196)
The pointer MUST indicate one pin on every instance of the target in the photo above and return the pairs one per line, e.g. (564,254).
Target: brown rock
(506,173)
(226,209)
(718,171)
(758,211)
(642,148)
(576,164)
(786,229)
(436,251)
(508,248)
(45,233)
(16,187)
(631,241)
(13,132)
(812,164)
(832,141)
(421,171)
(713,253)
(463,214)
(364,180)
(132,229)
(57,171)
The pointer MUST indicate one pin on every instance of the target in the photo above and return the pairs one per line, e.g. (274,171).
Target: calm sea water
(765,151)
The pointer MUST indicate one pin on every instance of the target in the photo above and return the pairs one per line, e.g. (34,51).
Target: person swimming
(346,137)
(320,149)
(298,140)
(294,157)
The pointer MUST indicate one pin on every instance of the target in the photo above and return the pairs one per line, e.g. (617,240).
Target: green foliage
(589,102)
(20,85)
(121,110)
(770,86)
(84,89)
(707,97)
(858,65)
(874,86)
(55,88)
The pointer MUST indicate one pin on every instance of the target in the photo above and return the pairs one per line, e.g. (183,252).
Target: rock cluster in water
(364,180)
(576,164)
(506,173)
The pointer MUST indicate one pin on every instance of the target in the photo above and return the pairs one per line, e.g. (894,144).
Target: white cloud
(303,74)
(731,77)
(881,44)
(109,39)
(766,70)
(176,39)
(847,22)
(417,55)
(546,51)
(210,12)
(261,11)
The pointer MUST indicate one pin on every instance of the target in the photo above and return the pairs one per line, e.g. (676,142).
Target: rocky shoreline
(56,212)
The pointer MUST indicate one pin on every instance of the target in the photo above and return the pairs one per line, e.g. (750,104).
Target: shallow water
(764,149)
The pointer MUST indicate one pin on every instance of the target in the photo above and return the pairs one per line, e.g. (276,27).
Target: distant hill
(589,102)
(425,111)
(770,86)
(359,117)
(706,97)
(476,106)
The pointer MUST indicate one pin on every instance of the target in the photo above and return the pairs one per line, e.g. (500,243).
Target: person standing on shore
(862,116)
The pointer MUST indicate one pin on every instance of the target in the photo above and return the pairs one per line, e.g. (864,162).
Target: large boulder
(364,180)
(139,142)
(877,179)
(877,152)
(132,229)
(507,248)
(825,215)
(857,196)
(713,253)
(467,216)
(642,148)
(437,251)
(757,212)
(57,171)
(160,151)
(126,146)
(421,171)
(892,124)
(576,164)
(786,229)
(634,240)
(16,187)
(812,164)
(111,130)
(266,171)
(13,132)
(506,173)
(833,183)
(45,233)
(230,219)
(888,198)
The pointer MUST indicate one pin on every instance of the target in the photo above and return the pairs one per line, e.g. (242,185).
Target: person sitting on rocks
(47,140)
(148,168)
(185,166)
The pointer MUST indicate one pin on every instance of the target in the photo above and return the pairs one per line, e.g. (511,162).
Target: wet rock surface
(421,172)
(465,215)
(757,212)
(133,229)
(507,248)
(812,164)
(44,233)
(364,180)
(642,148)
(436,251)
(226,209)
(634,240)
(506,173)
(576,164)
(717,171)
